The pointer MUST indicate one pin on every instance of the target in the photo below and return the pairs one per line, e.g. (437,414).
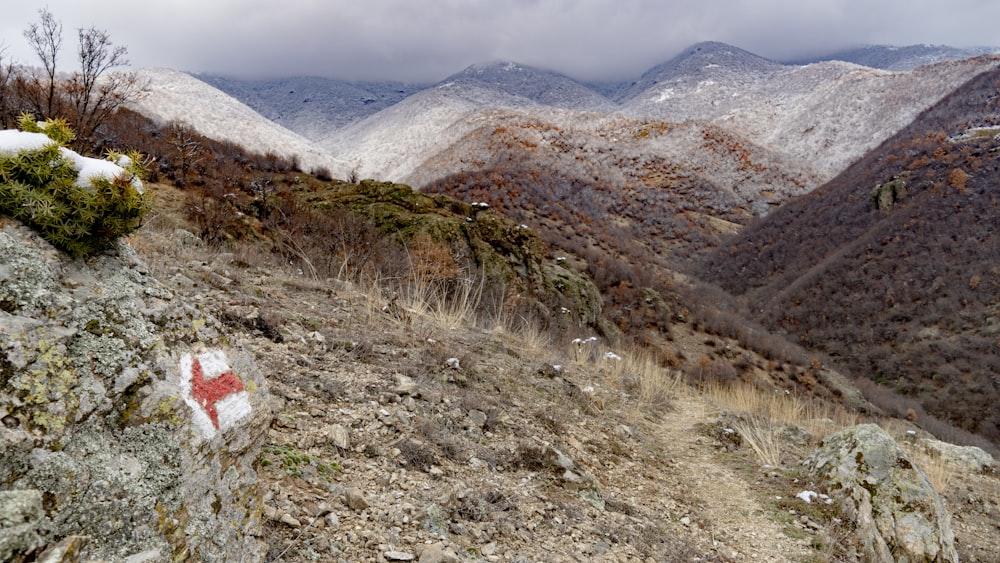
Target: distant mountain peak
(699,60)
(545,87)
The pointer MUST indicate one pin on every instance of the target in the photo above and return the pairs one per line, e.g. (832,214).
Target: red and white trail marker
(214,393)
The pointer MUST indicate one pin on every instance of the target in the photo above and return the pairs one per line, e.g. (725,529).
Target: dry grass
(938,471)
(763,436)
(762,414)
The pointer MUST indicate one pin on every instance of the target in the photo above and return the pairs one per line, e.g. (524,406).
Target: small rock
(270,512)
(339,437)
(290,520)
(332,521)
(355,500)
(477,419)
(406,386)
(149,556)
(686,521)
(489,549)
(398,556)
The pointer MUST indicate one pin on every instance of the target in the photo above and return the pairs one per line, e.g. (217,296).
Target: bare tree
(94,93)
(89,96)
(189,151)
(45,37)
(7,110)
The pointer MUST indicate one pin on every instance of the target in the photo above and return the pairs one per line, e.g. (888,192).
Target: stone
(20,518)
(340,437)
(437,553)
(476,418)
(355,500)
(898,516)
(289,520)
(967,458)
(67,550)
(406,385)
(135,414)
(398,556)
(332,521)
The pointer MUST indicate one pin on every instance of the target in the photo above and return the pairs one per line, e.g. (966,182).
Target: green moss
(292,461)
(39,187)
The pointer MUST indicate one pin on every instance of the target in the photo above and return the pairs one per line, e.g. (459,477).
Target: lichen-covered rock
(131,411)
(898,516)
(967,458)
(20,519)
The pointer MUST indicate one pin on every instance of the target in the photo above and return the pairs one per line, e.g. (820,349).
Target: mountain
(890,57)
(313,106)
(547,88)
(892,267)
(708,61)
(174,96)
(393,142)
(827,114)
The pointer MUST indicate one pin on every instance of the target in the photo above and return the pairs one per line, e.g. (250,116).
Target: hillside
(313,106)
(428,379)
(891,268)
(176,97)
(909,57)
(437,436)
(825,115)
(546,88)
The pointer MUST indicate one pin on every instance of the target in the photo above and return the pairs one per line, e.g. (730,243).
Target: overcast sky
(427,40)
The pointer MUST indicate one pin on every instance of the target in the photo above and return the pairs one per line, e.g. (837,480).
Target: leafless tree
(7,112)
(88,96)
(45,37)
(95,93)
(189,151)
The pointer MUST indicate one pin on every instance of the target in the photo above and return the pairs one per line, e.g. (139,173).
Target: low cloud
(426,40)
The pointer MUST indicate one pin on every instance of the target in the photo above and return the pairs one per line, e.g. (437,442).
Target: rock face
(897,513)
(128,413)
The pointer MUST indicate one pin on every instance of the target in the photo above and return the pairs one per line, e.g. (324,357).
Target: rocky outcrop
(128,413)
(966,458)
(898,516)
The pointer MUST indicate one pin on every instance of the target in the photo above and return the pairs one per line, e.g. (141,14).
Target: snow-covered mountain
(547,88)
(390,144)
(178,97)
(889,57)
(704,62)
(313,106)
(822,115)
(828,113)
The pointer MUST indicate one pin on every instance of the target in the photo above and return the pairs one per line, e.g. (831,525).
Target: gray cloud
(426,40)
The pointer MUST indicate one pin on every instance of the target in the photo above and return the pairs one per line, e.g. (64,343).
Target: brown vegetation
(905,292)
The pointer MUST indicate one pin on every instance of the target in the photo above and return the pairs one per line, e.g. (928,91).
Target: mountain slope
(313,106)
(905,58)
(708,61)
(828,114)
(901,284)
(395,141)
(544,87)
(174,96)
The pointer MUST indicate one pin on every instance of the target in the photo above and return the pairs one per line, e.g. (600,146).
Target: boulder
(898,516)
(966,458)
(129,411)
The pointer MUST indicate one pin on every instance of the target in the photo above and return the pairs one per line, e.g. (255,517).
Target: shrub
(80,205)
